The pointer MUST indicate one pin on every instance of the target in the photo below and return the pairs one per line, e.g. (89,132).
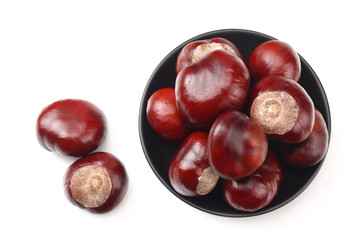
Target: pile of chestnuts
(97,181)
(237,122)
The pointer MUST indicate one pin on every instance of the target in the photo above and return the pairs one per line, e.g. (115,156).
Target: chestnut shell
(309,152)
(237,145)
(306,117)
(188,163)
(274,58)
(71,127)
(203,90)
(116,172)
(164,117)
(158,152)
(257,190)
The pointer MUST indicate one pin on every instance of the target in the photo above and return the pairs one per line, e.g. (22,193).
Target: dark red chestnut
(283,108)
(274,58)
(237,145)
(217,82)
(257,190)
(71,127)
(311,151)
(164,117)
(97,182)
(189,170)
(196,50)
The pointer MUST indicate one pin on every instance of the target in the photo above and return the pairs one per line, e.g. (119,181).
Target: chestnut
(237,145)
(217,82)
(283,108)
(257,190)
(189,170)
(71,127)
(309,152)
(164,117)
(194,51)
(97,182)
(274,58)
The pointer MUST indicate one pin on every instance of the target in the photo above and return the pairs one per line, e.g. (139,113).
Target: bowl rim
(163,181)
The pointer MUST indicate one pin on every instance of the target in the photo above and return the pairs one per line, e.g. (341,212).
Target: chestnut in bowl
(159,152)
(237,145)
(190,173)
(254,192)
(71,127)
(164,117)
(97,182)
(309,152)
(274,58)
(284,109)
(217,82)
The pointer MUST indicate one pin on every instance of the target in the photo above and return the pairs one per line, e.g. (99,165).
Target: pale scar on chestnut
(91,186)
(276,111)
(204,49)
(207,181)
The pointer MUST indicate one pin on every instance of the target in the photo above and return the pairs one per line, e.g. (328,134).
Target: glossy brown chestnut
(71,127)
(237,145)
(257,190)
(189,170)
(274,58)
(283,108)
(217,82)
(196,50)
(97,182)
(164,117)
(309,152)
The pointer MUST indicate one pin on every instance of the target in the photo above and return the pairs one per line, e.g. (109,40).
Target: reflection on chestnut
(257,190)
(189,170)
(196,50)
(283,108)
(97,182)
(274,58)
(237,145)
(71,127)
(217,82)
(309,152)
(164,117)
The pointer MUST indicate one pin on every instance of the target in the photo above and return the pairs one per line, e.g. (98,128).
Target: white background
(105,52)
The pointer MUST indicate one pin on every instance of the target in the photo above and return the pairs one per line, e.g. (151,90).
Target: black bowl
(159,152)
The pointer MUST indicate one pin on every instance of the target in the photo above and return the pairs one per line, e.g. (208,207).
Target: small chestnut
(203,90)
(97,182)
(237,145)
(189,170)
(283,108)
(164,117)
(274,58)
(257,190)
(194,51)
(71,127)
(309,152)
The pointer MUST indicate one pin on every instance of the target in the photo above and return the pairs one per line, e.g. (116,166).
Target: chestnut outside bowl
(159,152)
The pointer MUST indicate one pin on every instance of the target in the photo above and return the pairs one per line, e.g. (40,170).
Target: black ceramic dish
(159,151)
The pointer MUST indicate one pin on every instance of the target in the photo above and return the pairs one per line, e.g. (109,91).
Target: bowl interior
(159,152)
